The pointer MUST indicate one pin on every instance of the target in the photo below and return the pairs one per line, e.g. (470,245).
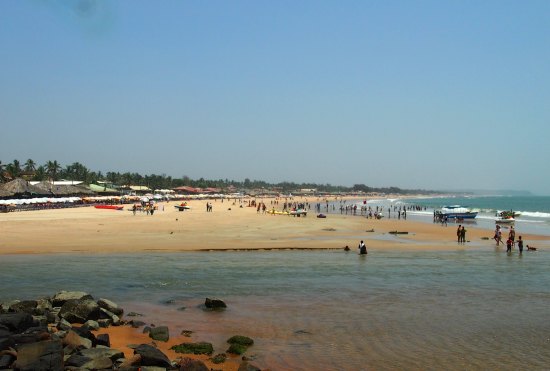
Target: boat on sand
(109,207)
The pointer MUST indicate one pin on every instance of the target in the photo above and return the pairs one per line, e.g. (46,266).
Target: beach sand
(88,230)
(229,226)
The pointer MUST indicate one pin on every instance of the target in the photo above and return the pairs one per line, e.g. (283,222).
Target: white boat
(508,220)
(457,212)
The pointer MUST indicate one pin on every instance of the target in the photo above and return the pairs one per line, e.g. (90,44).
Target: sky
(438,95)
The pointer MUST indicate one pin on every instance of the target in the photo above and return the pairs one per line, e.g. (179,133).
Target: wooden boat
(275,212)
(109,207)
(298,212)
(182,207)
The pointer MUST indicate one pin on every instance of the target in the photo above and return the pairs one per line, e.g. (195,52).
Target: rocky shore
(61,333)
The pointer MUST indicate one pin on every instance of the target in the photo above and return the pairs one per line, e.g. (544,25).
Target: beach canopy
(20,186)
(38,200)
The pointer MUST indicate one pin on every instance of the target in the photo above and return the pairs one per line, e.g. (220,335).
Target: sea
(468,309)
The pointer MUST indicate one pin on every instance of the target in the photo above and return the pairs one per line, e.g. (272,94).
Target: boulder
(110,306)
(245,366)
(43,307)
(214,303)
(75,341)
(103,339)
(16,322)
(40,356)
(134,360)
(194,348)
(92,325)
(190,364)
(63,296)
(79,311)
(105,314)
(63,325)
(160,333)
(5,361)
(25,306)
(151,356)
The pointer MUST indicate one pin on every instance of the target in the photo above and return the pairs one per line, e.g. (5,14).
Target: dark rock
(241,340)
(151,356)
(135,360)
(186,333)
(214,303)
(160,333)
(79,311)
(194,348)
(40,356)
(91,325)
(5,361)
(85,333)
(43,307)
(25,306)
(104,322)
(136,324)
(105,314)
(189,364)
(134,314)
(63,296)
(95,358)
(110,306)
(103,339)
(16,322)
(146,330)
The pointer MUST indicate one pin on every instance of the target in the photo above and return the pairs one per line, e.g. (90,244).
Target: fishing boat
(182,207)
(457,212)
(508,214)
(298,212)
(109,207)
(505,220)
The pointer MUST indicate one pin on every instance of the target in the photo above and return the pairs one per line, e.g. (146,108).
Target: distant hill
(494,192)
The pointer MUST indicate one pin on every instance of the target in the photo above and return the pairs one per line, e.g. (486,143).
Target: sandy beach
(229,226)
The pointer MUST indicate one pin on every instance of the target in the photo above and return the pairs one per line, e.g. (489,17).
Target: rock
(134,314)
(79,311)
(92,360)
(151,356)
(160,333)
(105,314)
(75,341)
(240,339)
(92,325)
(104,339)
(43,307)
(152,368)
(93,353)
(16,322)
(237,349)
(189,364)
(5,361)
(136,324)
(63,296)
(219,358)
(43,355)
(135,360)
(194,348)
(186,333)
(85,333)
(25,306)
(110,306)
(245,366)
(214,303)
(104,322)
(63,325)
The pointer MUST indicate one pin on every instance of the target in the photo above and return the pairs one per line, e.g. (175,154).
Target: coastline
(231,226)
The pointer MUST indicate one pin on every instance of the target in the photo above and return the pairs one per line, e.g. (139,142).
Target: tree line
(53,170)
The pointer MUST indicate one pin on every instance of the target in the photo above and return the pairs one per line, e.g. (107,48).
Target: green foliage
(194,348)
(241,340)
(219,358)
(237,349)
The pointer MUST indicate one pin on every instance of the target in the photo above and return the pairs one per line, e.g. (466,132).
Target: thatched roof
(5,193)
(20,186)
(63,189)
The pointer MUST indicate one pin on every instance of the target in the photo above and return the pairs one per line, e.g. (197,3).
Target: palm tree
(30,165)
(14,169)
(40,173)
(53,168)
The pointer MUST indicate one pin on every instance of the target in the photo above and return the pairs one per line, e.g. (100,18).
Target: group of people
(511,241)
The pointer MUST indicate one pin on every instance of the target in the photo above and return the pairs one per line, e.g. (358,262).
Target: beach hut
(21,188)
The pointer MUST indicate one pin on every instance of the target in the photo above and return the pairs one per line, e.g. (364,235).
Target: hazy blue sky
(414,94)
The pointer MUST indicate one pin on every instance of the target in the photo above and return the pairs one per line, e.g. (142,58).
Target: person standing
(458,230)
(498,235)
(463,235)
(520,245)
(509,245)
(512,235)
(362,248)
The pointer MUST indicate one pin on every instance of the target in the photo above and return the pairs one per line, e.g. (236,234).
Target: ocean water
(326,310)
(534,210)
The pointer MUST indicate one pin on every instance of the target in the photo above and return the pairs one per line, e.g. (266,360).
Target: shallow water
(327,310)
